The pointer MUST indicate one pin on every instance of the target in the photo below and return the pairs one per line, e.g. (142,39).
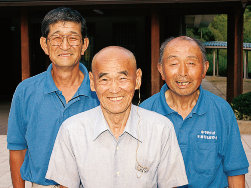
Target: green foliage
(241,106)
(247,25)
(218,27)
(217,31)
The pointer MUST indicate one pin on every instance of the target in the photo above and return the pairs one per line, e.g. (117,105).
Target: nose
(65,44)
(114,87)
(182,70)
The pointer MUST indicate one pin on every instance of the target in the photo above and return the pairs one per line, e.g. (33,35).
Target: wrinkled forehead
(183,47)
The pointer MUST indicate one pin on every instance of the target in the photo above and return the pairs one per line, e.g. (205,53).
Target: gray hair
(191,39)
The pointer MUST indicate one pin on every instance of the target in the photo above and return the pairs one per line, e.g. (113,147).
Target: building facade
(138,25)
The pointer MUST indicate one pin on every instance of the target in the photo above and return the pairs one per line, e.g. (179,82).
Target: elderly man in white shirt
(116,144)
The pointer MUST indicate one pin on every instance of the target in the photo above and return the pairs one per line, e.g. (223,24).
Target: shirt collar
(49,83)
(198,109)
(131,128)
(164,109)
(84,88)
(133,123)
(101,124)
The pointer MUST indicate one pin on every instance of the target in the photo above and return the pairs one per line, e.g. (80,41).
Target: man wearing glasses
(41,103)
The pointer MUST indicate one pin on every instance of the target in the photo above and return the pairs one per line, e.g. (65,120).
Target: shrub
(241,106)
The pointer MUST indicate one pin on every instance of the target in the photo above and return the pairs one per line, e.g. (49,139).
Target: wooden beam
(155,44)
(235,53)
(25,57)
(104,2)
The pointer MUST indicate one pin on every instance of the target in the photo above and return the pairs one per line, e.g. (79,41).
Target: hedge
(241,106)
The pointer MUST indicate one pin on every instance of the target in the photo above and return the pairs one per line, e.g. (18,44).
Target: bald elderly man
(205,125)
(116,144)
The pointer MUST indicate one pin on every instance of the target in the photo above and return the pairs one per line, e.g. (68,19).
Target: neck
(117,122)
(67,80)
(181,104)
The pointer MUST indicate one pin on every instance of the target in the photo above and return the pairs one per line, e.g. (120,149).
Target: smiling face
(114,78)
(182,67)
(64,55)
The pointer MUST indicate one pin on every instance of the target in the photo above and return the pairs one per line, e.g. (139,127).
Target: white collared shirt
(85,150)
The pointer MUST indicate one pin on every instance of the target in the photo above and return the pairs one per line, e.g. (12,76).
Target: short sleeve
(235,160)
(62,166)
(16,124)
(171,170)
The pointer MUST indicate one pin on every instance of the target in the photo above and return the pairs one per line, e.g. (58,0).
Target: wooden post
(245,64)
(25,57)
(235,53)
(155,45)
(214,64)
(217,68)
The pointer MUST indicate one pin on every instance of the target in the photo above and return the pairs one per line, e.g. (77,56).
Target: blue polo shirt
(38,109)
(208,137)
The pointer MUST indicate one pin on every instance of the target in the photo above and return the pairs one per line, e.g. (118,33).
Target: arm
(16,161)
(236,181)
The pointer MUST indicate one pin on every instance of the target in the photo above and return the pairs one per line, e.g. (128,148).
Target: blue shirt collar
(198,109)
(101,124)
(84,88)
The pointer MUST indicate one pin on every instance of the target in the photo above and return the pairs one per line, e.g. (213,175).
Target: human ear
(85,45)
(160,68)
(205,68)
(138,78)
(91,81)
(44,45)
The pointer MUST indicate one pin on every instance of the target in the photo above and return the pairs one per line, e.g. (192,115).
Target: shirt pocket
(146,176)
(204,157)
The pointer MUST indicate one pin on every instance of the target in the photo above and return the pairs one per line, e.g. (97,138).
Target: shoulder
(29,83)
(150,102)
(81,119)
(214,101)
(153,118)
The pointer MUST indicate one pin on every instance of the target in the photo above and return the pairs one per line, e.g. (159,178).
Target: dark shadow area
(5,102)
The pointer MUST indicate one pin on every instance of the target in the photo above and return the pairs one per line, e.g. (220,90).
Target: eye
(173,62)
(73,38)
(55,37)
(103,81)
(191,63)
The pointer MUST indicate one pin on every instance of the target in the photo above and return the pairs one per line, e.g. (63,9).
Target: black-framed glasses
(57,40)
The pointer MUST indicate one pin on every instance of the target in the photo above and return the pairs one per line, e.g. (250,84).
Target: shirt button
(117,148)
(117,173)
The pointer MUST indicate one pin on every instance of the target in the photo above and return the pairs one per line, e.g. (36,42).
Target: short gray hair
(191,39)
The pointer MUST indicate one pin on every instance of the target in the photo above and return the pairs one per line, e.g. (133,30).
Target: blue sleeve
(235,160)
(16,131)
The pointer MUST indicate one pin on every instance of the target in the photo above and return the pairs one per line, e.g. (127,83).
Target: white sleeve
(62,166)
(171,170)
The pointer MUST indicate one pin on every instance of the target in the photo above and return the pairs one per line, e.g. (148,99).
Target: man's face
(64,55)
(182,67)
(114,78)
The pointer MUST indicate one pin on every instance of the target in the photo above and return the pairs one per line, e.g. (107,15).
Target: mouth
(115,98)
(65,55)
(182,83)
